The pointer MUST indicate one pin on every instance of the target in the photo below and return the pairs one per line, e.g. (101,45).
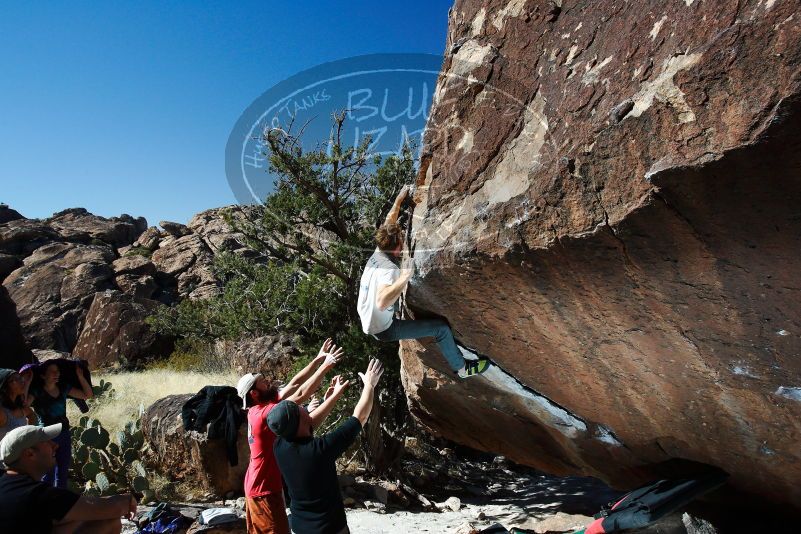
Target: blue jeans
(436,328)
(58,475)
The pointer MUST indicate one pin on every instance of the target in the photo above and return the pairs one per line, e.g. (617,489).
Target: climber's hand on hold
(402,194)
(407,271)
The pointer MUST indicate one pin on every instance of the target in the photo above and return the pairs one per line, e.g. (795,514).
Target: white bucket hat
(244,386)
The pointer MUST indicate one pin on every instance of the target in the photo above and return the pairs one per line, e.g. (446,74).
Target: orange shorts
(266,514)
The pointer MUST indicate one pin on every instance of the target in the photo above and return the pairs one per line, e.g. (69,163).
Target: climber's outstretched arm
(392,216)
(388,294)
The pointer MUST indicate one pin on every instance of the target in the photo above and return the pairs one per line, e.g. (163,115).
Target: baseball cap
(284,419)
(244,386)
(25,437)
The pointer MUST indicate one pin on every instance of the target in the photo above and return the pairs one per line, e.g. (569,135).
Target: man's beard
(270,395)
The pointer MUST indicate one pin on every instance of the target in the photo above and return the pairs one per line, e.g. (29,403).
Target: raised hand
(374,371)
(325,349)
(314,402)
(330,390)
(402,194)
(331,358)
(338,385)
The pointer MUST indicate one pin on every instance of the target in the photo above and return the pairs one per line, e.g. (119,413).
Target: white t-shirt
(380,270)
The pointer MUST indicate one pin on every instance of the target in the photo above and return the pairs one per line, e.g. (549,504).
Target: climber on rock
(381,286)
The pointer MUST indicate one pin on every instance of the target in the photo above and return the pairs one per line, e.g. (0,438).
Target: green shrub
(139,251)
(193,354)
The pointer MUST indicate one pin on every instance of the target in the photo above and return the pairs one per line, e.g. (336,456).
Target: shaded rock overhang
(609,206)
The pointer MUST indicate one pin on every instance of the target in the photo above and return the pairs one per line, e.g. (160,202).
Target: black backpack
(650,503)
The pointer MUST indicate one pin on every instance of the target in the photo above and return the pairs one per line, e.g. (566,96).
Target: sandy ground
(535,503)
(467,518)
(462,522)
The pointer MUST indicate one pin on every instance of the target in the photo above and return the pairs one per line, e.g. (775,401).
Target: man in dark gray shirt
(308,463)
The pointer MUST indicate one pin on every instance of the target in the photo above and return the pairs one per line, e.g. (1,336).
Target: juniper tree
(313,234)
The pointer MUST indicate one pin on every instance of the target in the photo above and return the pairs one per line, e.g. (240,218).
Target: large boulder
(175,229)
(135,275)
(149,239)
(15,352)
(608,208)
(212,227)
(80,226)
(54,289)
(188,260)
(8,263)
(273,356)
(176,255)
(21,237)
(115,333)
(133,264)
(189,455)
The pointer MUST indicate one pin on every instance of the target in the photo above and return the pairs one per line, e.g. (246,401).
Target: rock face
(116,335)
(271,355)
(78,225)
(53,267)
(15,352)
(54,289)
(191,456)
(608,208)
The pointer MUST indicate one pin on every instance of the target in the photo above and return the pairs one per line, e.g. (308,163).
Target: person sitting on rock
(31,506)
(50,402)
(265,512)
(308,463)
(14,409)
(381,286)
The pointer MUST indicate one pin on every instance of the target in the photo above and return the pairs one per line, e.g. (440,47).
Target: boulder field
(609,207)
(84,283)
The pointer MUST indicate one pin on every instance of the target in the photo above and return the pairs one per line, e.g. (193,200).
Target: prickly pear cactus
(109,467)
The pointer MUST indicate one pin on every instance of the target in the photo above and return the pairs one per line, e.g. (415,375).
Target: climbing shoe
(474,367)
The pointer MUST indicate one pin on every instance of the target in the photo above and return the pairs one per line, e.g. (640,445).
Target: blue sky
(126,107)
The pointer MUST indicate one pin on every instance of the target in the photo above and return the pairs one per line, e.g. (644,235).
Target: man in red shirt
(264,503)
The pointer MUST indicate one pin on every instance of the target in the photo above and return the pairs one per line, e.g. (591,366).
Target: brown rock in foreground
(608,207)
(116,335)
(190,456)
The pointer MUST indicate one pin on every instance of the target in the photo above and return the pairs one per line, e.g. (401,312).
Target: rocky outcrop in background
(84,283)
(608,207)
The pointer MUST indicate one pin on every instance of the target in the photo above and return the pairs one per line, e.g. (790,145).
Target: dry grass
(133,390)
